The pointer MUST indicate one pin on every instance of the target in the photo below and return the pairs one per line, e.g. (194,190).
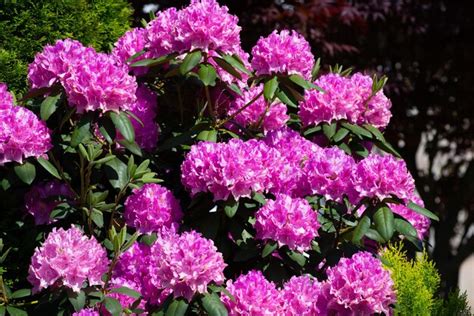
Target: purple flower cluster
(348,98)
(259,114)
(131,43)
(301,296)
(43,198)
(180,264)
(151,208)
(86,312)
(68,257)
(289,221)
(22,134)
(92,81)
(202,25)
(358,285)
(283,53)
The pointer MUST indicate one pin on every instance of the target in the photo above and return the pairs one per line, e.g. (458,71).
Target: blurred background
(426,49)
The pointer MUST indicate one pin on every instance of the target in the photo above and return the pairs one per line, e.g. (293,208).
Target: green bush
(27,25)
(416,281)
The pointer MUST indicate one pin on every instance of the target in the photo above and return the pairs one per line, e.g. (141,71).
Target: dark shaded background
(426,50)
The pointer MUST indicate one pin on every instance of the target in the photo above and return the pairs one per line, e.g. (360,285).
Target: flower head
(6,99)
(152,207)
(86,312)
(283,53)
(300,295)
(289,221)
(162,35)
(70,257)
(254,295)
(129,44)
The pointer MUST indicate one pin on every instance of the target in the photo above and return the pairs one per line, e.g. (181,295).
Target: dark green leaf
(26,172)
(116,172)
(123,124)
(77,300)
(375,131)
(2,310)
(233,87)
(357,130)
(153,62)
(300,81)
(21,293)
(340,135)
(190,61)
(213,305)
(177,308)
(312,130)
(113,306)
(126,291)
(107,129)
(283,97)
(236,63)
(81,132)
(269,248)
(315,70)
(361,229)
(131,146)
(227,67)
(13,311)
(207,74)
(384,222)
(136,55)
(49,106)
(421,210)
(374,235)
(49,167)
(230,207)
(97,217)
(297,257)
(329,129)
(104,160)
(385,146)
(346,148)
(270,88)
(405,228)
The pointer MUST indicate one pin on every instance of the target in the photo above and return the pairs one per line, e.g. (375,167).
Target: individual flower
(206,25)
(380,176)
(68,257)
(99,83)
(6,99)
(328,173)
(259,114)
(254,296)
(161,33)
(151,208)
(132,42)
(186,264)
(145,108)
(288,221)
(86,312)
(358,286)
(420,222)
(54,62)
(299,296)
(43,198)
(283,53)
(22,135)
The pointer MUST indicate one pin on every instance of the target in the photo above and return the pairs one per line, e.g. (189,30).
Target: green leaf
(312,130)
(49,167)
(116,172)
(135,56)
(375,131)
(13,311)
(227,67)
(213,305)
(300,81)
(77,300)
(113,306)
(329,129)
(421,210)
(405,228)
(81,132)
(153,62)
(384,222)
(210,136)
(374,235)
(236,63)
(234,88)
(230,208)
(126,291)
(361,229)
(177,308)
(297,257)
(26,172)
(123,124)
(49,106)
(260,198)
(97,217)
(359,131)
(104,160)
(208,75)
(281,95)
(131,146)
(316,68)
(340,135)
(385,146)
(21,293)
(190,61)
(269,248)
(2,310)
(270,87)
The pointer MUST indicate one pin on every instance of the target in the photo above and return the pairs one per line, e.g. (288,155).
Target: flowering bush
(258,187)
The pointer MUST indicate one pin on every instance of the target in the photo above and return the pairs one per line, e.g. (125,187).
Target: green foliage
(455,304)
(28,25)
(416,281)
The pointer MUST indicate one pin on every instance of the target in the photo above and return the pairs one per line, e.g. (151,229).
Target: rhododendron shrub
(179,174)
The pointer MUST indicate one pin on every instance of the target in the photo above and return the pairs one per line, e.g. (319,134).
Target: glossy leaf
(213,305)
(49,106)
(123,125)
(49,167)
(207,74)
(361,229)
(26,172)
(270,88)
(384,222)
(190,61)
(421,210)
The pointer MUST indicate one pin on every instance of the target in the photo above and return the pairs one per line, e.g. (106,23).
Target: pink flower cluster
(180,264)
(289,221)
(5,97)
(202,25)
(43,198)
(302,296)
(86,312)
(152,207)
(22,134)
(92,81)
(283,53)
(358,285)
(131,43)
(68,257)
(348,98)
(259,115)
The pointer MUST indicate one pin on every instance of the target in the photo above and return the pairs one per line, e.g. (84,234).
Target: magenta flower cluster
(288,221)
(349,98)
(68,258)
(131,43)
(152,207)
(22,134)
(283,52)
(259,114)
(42,198)
(302,296)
